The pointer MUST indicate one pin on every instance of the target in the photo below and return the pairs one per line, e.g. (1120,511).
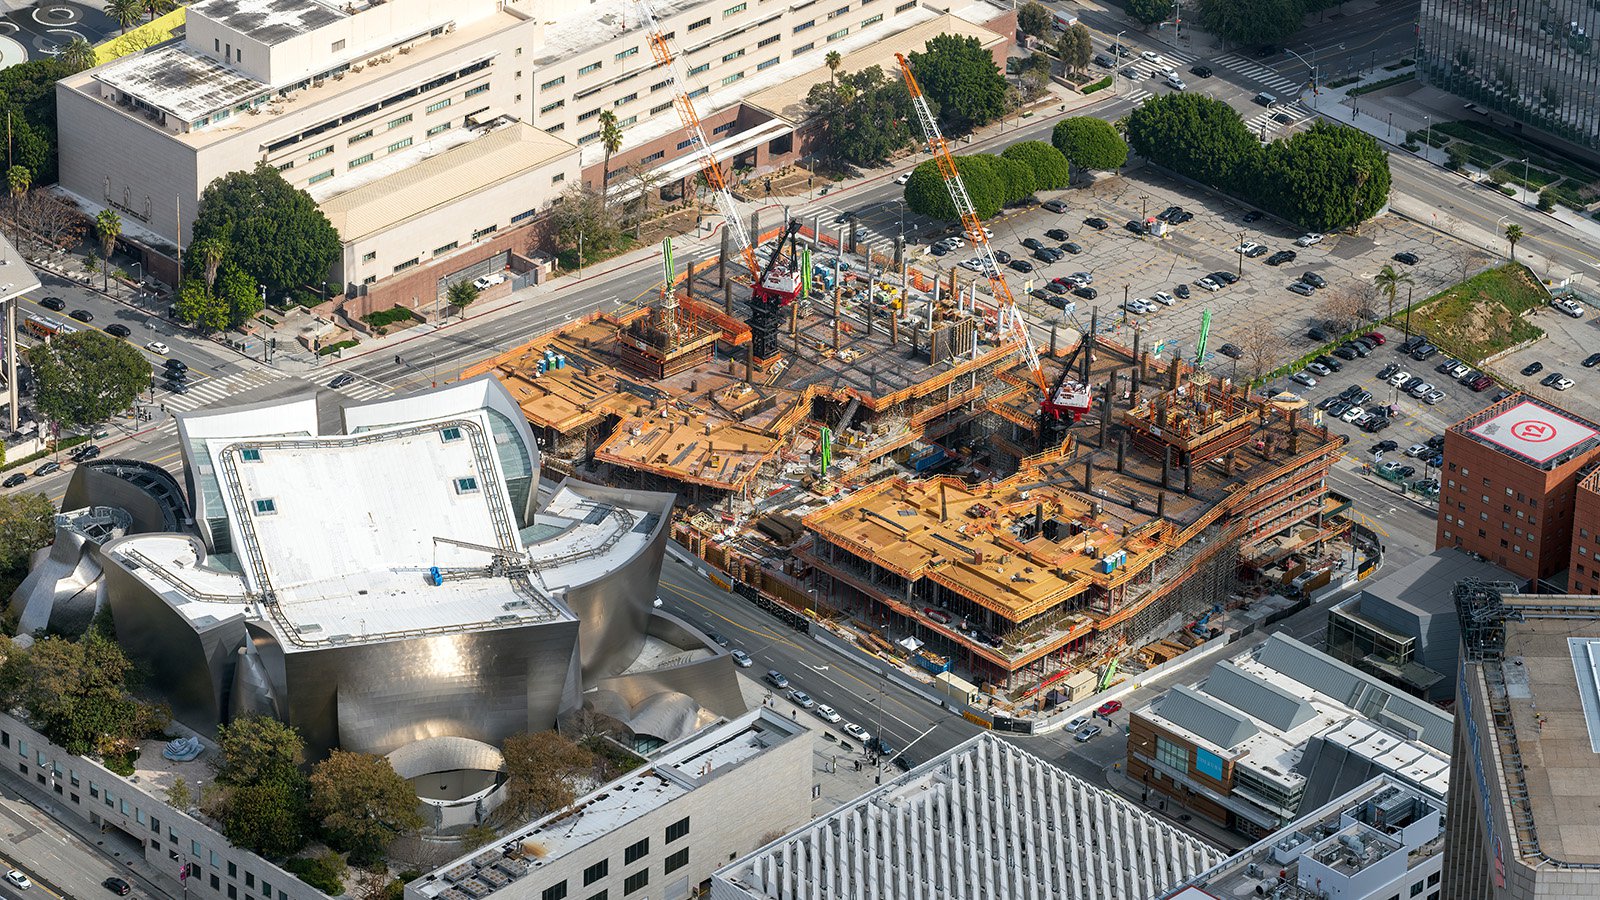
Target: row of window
(633,853)
(104,794)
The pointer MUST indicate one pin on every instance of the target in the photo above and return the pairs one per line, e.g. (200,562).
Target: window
(466,485)
(676,861)
(730,57)
(361,160)
(660,108)
(592,67)
(584,117)
(320,176)
(698,69)
(734,10)
(1416,889)
(266,506)
(1433,879)
(700,24)
(724,127)
(838,34)
(678,829)
(483,231)
(628,121)
(1171,754)
(445,249)
(617,104)
(767,42)
(233,870)
(804,25)
(636,881)
(596,872)
(439,129)
(732,78)
(399,145)
(356,138)
(631,51)
(873,20)
(523,216)
(843,10)
(284,167)
(369,256)
(406,265)
(905,6)
(318,154)
(473,92)
(767,64)
(659,85)
(633,853)
(558,178)
(600,896)
(396,123)
(337,46)
(435,107)
(699,92)
(803,48)
(554,82)
(652,157)
(555,892)
(685,144)
(250,454)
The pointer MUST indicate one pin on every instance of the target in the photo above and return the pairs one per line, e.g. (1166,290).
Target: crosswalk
(1152,73)
(1286,87)
(1265,126)
(215,391)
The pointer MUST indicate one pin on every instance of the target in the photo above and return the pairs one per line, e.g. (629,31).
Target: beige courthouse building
(434,133)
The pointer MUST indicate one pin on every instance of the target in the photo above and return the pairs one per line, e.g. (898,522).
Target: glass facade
(1536,63)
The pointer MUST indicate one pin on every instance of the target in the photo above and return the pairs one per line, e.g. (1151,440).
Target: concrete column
(727,297)
(1161,504)
(1088,476)
(722,260)
(1188,478)
(1122,452)
(755,226)
(1166,466)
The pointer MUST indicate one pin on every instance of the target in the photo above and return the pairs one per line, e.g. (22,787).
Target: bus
(44,327)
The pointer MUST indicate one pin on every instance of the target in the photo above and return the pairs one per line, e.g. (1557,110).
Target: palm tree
(210,252)
(1514,233)
(158,7)
(1388,282)
(19,179)
(611,142)
(834,61)
(108,227)
(78,54)
(126,13)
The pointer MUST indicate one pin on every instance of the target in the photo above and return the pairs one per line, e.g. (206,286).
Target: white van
(1063,21)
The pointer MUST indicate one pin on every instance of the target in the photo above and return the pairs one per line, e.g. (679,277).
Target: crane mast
(778,285)
(1067,397)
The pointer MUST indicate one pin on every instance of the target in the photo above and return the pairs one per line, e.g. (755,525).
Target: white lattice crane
(1068,398)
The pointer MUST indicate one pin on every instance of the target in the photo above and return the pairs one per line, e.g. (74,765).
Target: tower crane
(1068,398)
(779,284)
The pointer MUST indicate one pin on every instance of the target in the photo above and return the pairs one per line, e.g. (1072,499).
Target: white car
(857,732)
(1248,247)
(19,880)
(1353,413)
(1304,379)
(1562,384)
(742,659)
(1306,240)
(1150,55)
(825,713)
(902,178)
(1418,450)
(1176,83)
(953,242)
(158,348)
(1164,298)
(1317,368)
(801,699)
(1208,284)
(1399,378)
(1078,724)
(488,281)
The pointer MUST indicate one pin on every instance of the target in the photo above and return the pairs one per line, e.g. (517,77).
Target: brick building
(1510,480)
(1584,576)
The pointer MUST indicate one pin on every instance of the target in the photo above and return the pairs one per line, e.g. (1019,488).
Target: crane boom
(709,167)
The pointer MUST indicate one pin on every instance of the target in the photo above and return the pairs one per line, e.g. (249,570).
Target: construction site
(908,460)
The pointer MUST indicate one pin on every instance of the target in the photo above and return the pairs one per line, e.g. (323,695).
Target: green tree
(1197,136)
(268,818)
(1326,177)
(610,142)
(76,693)
(1547,201)
(1033,18)
(577,217)
(960,75)
(209,253)
(27,522)
(78,54)
(1513,235)
(461,294)
(1089,144)
(87,377)
(199,307)
(865,117)
(1016,178)
(543,772)
(238,295)
(1148,12)
(1251,22)
(1388,281)
(27,97)
(126,13)
(1051,171)
(273,231)
(19,179)
(260,750)
(833,61)
(361,803)
(325,871)
(179,794)
(107,227)
(927,195)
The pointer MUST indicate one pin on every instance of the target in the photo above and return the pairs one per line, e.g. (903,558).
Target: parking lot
(1563,349)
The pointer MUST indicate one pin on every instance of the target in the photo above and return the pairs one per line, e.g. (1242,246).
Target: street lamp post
(1525,182)
(1241,255)
(1114,73)
(1408,311)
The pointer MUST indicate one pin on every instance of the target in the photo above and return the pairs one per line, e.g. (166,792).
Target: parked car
(1097,223)
(117,886)
(1308,239)
(1021,265)
(1303,379)
(1133,227)
(1086,292)
(1252,216)
(1208,284)
(1591,360)
(1072,248)
(1330,362)
(1377,337)
(1056,234)
(1055,206)
(1230,351)
(1181,291)
(1384,446)
(1407,257)
(1109,707)
(1401,376)
(1032,243)
(1086,735)
(1281,257)
(1316,281)
(1533,368)
(1163,298)
(857,732)
(1345,351)
(801,699)
(1222,277)
(825,713)
(1301,288)
(49,468)
(13,480)
(1077,723)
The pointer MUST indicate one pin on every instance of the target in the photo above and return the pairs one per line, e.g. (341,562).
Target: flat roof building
(1402,628)
(1583,577)
(1521,820)
(1510,477)
(1383,839)
(984,819)
(1280,727)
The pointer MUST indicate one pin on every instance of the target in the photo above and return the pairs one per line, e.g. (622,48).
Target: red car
(1377,337)
(1109,707)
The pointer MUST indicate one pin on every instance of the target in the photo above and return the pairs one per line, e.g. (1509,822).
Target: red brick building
(1585,560)
(1510,481)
